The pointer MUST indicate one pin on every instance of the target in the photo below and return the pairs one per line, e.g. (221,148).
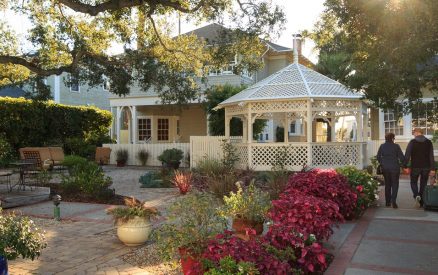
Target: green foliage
(71,161)
(216,119)
(78,42)
(210,167)
(44,177)
(193,220)
(228,266)
(78,146)
(150,180)
(86,177)
(435,136)
(29,123)
(250,204)
(363,182)
(230,156)
(133,209)
(360,51)
(20,237)
(143,157)
(122,155)
(169,156)
(6,152)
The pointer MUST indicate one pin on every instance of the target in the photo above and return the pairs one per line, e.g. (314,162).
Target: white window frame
(79,86)
(397,123)
(424,128)
(138,128)
(300,127)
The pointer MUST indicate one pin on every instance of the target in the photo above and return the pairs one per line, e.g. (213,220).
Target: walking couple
(419,154)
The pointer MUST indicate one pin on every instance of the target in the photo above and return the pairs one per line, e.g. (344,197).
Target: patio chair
(102,156)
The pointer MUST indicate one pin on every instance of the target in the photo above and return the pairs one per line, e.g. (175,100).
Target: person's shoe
(418,201)
(394,205)
(388,204)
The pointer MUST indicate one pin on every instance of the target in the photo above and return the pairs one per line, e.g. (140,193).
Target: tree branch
(113,5)
(35,68)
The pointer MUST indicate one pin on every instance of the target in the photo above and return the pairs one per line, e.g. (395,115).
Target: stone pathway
(390,241)
(85,241)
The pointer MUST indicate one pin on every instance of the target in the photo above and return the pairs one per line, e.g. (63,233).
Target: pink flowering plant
(329,185)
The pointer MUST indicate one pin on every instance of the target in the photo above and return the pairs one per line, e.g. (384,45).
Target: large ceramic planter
(189,264)
(135,231)
(3,266)
(240,225)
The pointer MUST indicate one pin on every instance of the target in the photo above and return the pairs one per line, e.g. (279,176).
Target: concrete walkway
(389,241)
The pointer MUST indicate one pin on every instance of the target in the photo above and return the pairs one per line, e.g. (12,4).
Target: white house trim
(56,90)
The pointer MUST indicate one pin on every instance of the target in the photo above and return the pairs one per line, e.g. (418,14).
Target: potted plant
(183,180)
(171,158)
(143,157)
(133,221)
(193,220)
(121,157)
(19,237)
(247,208)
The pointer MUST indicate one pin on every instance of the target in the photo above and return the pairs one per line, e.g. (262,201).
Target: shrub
(222,186)
(298,212)
(143,157)
(210,167)
(365,185)
(20,237)
(122,155)
(6,152)
(192,221)
(170,156)
(78,146)
(326,184)
(250,204)
(71,161)
(182,180)
(31,123)
(87,178)
(255,251)
(228,266)
(230,156)
(150,180)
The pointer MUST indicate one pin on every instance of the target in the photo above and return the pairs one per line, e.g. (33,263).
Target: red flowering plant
(329,185)
(305,214)
(256,250)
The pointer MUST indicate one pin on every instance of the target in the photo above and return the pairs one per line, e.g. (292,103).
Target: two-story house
(140,117)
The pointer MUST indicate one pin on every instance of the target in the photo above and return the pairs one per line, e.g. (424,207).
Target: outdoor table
(22,166)
(7,176)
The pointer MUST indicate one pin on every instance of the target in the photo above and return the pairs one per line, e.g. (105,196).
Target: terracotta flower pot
(240,225)
(190,264)
(135,231)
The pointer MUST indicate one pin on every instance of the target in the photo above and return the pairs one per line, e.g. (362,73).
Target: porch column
(309,132)
(118,115)
(244,129)
(111,130)
(365,127)
(134,124)
(359,122)
(286,129)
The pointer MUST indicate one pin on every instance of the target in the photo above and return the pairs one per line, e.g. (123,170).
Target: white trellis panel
(332,155)
(265,155)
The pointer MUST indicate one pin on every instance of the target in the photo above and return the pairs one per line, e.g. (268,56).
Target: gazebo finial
(296,45)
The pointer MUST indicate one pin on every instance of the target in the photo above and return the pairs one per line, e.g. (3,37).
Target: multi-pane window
(74,83)
(425,117)
(163,129)
(296,128)
(144,129)
(393,123)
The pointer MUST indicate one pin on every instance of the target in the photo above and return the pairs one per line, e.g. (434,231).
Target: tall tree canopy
(75,36)
(385,48)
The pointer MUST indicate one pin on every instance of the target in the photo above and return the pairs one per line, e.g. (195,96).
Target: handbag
(379,170)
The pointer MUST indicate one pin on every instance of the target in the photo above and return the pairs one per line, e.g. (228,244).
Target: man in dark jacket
(420,153)
(390,157)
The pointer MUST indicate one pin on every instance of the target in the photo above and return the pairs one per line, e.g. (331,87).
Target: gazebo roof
(294,82)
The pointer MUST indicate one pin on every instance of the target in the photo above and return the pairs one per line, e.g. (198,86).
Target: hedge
(25,122)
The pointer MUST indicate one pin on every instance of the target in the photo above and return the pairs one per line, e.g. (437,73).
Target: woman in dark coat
(391,158)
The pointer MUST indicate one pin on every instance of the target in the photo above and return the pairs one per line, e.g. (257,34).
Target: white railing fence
(207,146)
(154,151)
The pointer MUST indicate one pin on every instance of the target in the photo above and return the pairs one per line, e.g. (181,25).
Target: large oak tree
(385,48)
(75,36)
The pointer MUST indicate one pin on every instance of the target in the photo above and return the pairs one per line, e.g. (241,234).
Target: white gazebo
(298,92)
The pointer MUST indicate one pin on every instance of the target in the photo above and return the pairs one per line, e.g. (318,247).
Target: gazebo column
(359,131)
(227,126)
(118,115)
(244,130)
(286,128)
(134,125)
(333,129)
(309,132)
(249,126)
(365,127)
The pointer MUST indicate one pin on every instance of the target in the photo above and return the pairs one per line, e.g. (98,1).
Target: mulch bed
(56,189)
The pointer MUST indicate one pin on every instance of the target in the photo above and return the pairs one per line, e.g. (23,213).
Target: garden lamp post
(57,210)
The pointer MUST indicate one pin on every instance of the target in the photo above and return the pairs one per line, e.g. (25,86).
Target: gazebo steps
(20,198)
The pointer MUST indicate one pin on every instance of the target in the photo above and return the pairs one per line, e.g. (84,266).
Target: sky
(300,15)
